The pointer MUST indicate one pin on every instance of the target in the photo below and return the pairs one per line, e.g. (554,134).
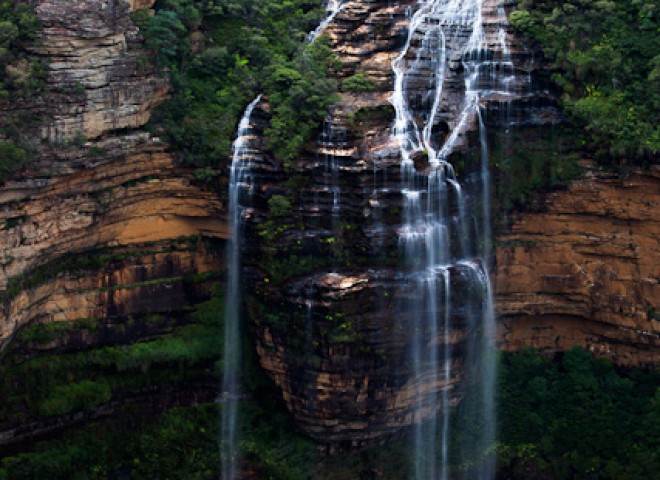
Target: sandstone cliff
(323,288)
(585,271)
(98,183)
(326,288)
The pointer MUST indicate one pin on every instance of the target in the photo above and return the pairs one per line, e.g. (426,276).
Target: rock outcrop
(98,183)
(98,78)
(326,289)
(324,284)
(585,271)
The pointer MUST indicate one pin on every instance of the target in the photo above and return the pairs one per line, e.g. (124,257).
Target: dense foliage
(180,444)
(578,418)
(571,417)
(606,59)
(21,75)
(19,72)
(69,380)
(221,54)
(138,441)
(529,161)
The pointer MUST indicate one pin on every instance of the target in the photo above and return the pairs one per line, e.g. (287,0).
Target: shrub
(81,396)
(358,83)
(12,157)
(279,206)
(606,62)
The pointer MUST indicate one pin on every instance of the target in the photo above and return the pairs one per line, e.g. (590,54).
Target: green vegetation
(358,83)
(43,333)
(606,60)
(138,441)
(529,161)
(572,417)
(280,268)
(61,383)
(578,417)
(245,48)
(82,263)
(525,163)
(20,74)
(179,444)
(12,157)
(75,397)
(279,206)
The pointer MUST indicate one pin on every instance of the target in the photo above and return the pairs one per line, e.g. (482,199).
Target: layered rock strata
(585,271)
(92,49)
(98,183)
(326,289)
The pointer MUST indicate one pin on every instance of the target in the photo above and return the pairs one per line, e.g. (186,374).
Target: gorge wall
(106,240)
(321,280)
(584,270)
(98,182)
(324,288)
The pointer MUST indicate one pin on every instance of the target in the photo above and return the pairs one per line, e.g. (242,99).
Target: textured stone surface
(123,288)
(123,190)
(90,48)
(141,4)
(140,198)
(585,271)
(331,335)
(334,335)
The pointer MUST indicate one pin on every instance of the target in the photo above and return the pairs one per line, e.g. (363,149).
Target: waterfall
(332,8)
(332,141)
(435,235)
(240,181)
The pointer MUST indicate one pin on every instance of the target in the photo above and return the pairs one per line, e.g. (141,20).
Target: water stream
(332,8)
(240,185)
(435,235)
(441,237)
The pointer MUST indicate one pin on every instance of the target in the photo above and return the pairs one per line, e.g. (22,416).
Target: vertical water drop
(332,8)
(240,181)
(435,233)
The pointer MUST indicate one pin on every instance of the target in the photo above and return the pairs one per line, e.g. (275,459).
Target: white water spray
(332,8)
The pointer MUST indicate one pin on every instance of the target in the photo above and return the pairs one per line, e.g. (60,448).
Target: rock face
(585,271)
(326,289)
(99,185)
(324,285)
(88,45)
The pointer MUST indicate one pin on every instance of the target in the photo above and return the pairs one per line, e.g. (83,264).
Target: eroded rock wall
(326,288)
(97,183)
(585,271)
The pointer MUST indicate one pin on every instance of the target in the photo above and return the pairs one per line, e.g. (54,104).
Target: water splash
(240,182)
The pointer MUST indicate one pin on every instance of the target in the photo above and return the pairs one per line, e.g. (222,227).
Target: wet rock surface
(325,284)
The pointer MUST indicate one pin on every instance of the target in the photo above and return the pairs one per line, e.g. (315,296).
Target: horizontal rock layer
(122,191)
(585,271)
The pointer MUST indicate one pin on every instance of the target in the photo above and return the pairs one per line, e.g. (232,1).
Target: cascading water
(333,145)
(332,7)
(435,237)
(240,183)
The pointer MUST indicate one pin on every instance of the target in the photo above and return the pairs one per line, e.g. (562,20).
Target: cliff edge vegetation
(605,59)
